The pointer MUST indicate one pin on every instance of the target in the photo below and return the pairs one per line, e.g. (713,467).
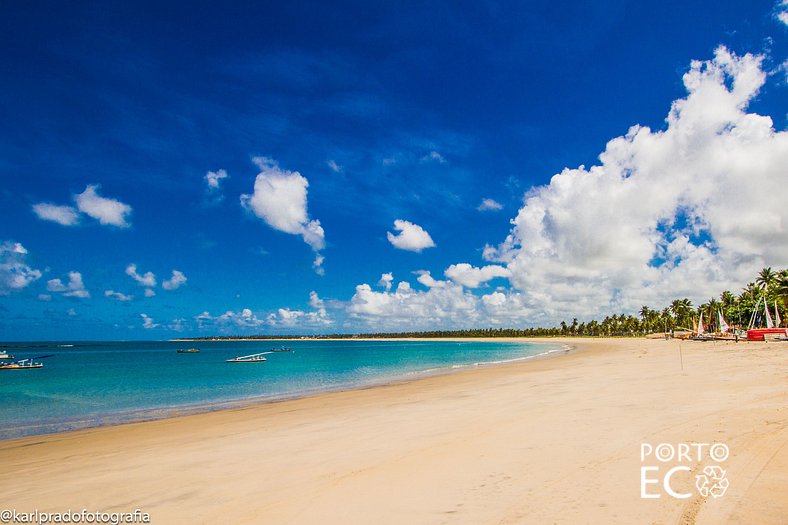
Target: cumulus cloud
(472,277)
(426,279)
(411,237)
(687,211)
(214,178)
(106,211)
(147,322)
(74,288)
(118,296)
(213,192)
(15,273)
(149,292)
(64,215)
(490,205)
(407,309)
(147,279)
(782,12)
(177,280)
(280,199)
(385,280)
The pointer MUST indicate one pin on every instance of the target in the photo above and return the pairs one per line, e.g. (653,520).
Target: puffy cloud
(118,296)
(147,322)
(428,280)
(433,156)
(214,178)
(15,273)
(407,309)
(176,281)
(74,288)
(213,192)
(148,279)
(64,215)
(472,277)
(280,199)
(106,211)
(782,12)
(412,237)
(490,205)
(385,280)
(688,211)
(149,292)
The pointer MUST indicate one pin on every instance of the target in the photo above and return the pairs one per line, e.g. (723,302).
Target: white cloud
(407,309)
(412,237)
(148,279)
(118,296)
(15,273)
(106,211)
(71,312)
(385,280)
(428,280)
(333,166)
(472,277)
(147,322)
(149,292)
(44,297)
(74,288)
(782,12)
(64,215)
(490,205)
(214,178)
(433,156)
(176,281)
(688,211)
(280,199)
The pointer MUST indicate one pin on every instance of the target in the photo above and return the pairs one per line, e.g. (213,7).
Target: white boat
(252,358)
(4,355)
(22,364)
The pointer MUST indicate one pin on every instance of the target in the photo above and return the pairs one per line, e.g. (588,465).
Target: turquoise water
(94,384)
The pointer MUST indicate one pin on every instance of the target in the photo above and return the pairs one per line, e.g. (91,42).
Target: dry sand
(550,441)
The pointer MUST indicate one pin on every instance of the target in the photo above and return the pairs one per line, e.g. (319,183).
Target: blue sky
(389,112)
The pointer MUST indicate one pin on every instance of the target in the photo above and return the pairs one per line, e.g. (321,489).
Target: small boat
(252,358)
(188,350)
(283,349)
(4,355)
(22,364)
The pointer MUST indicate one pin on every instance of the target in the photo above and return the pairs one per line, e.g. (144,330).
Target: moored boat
(252,358)
(188,350)
(22,364)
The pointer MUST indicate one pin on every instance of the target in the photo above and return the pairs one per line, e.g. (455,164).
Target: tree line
(769,286)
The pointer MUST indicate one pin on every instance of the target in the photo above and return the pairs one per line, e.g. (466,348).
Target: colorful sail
(700,324)
(723,325)
(777,319)
(767,315)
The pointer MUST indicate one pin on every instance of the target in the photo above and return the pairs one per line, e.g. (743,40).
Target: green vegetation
(679,315)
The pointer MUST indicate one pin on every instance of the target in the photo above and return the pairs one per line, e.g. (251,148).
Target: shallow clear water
(93,384)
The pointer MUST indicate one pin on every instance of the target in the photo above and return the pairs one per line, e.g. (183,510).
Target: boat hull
(759,334)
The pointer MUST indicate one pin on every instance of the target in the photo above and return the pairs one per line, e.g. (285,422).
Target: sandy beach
(546,441)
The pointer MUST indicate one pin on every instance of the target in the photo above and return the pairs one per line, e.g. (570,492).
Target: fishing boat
(283,349)
(770,331)
(188,350)
(22,364)
(5,355)
(252,358)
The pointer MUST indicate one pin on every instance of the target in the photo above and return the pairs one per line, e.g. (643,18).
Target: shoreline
(143,415)
(544,440)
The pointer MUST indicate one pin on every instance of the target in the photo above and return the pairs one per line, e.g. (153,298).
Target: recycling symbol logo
(712,482)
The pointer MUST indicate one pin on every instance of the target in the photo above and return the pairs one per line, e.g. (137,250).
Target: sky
(192,168)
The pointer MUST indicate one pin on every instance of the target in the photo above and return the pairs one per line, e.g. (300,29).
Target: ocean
(89,384)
